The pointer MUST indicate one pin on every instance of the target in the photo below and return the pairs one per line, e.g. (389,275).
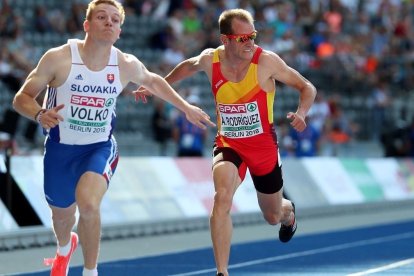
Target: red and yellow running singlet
(245,117)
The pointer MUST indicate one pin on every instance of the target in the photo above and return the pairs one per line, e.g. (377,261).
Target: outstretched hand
(141,94)
(198,117)
(51,117)
(296,121)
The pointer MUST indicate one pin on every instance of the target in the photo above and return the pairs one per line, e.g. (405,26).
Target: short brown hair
(92,5)
(226,18)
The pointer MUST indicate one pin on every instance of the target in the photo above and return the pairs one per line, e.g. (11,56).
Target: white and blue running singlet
(83,141)
(89,98)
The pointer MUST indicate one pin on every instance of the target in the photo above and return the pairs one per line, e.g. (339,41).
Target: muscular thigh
(269,183)
(90,189)
(227,154)
(260,159)
(265,167)
(270,202)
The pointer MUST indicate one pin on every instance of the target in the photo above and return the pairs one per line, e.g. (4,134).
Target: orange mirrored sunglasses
(241,38)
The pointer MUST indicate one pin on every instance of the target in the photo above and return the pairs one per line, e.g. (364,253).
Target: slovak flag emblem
(110,78)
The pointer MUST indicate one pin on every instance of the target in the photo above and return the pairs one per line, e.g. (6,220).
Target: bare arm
(183,70)
(25,102)
(283,73)
(139,74)
(190,66)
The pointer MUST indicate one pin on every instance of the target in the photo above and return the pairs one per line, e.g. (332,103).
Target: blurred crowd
(347,48)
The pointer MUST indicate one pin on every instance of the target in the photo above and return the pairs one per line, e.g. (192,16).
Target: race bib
(240,120)
(89,114)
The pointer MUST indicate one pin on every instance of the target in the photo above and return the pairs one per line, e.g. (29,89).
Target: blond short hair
(92,5)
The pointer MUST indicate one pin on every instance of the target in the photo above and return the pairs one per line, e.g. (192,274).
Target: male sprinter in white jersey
(83,80)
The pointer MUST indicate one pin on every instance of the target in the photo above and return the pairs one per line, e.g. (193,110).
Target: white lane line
(384,268)
(308,252)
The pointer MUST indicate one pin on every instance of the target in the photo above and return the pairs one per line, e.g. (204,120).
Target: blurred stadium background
(358,53)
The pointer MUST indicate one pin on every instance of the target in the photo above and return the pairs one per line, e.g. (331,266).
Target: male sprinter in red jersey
(243,77)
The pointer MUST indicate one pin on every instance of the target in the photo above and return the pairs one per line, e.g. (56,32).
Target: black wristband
(37,116)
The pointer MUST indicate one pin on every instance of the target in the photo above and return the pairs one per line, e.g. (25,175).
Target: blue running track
(378,250)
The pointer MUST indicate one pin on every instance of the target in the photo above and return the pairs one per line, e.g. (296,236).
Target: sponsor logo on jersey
(109,102)
(218,83)
(110,78)
(93,89)
(87,101)
(232,108)
(251,107)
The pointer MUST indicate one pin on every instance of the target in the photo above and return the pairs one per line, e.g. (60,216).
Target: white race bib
(240,120)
